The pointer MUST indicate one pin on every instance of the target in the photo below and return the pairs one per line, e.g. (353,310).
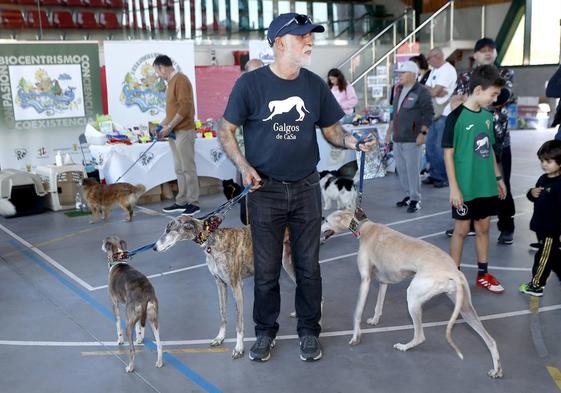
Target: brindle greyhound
(229,257)
(130,287)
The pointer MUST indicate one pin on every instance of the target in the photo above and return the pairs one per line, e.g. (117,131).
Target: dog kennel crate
(63,182)
(24,190)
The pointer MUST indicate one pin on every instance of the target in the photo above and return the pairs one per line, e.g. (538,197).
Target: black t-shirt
(279,117)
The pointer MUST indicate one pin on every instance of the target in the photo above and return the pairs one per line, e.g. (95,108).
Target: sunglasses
(299,19)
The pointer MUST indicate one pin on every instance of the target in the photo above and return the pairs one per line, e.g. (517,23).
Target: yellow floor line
(555,374)
(173,351)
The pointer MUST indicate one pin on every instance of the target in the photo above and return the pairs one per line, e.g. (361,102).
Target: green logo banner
(49,85)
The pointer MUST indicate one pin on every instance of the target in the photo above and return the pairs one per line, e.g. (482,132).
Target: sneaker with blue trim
(261,350)
(190,210)
(310,349)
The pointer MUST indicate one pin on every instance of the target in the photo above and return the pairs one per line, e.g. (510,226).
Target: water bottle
(78,200)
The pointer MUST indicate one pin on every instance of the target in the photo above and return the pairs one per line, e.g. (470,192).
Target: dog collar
(117,258)
(358,219)
(210,225)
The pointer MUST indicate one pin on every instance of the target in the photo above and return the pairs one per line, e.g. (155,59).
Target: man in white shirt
(441,83)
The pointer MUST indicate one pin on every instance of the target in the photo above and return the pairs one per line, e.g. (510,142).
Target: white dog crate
(63,182)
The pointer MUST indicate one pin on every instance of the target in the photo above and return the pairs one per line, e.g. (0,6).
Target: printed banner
(135,94)
(49,92)
(49,85)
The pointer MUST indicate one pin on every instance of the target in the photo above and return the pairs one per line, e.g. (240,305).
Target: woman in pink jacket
(344,93)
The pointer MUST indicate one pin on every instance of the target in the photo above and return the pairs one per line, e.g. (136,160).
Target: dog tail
(139,189)
(7,208)
(457,307)
(143,315)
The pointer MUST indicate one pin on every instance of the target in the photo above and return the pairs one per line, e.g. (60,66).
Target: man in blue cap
(279,107)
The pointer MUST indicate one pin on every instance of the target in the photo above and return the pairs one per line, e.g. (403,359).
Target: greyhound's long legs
(156,330)
(238,297)
(379,305)
(419,291)
(131,321)
(362,296)
(470,316)
(222,298)
(117,314)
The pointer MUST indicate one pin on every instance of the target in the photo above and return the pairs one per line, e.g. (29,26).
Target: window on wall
(320,12)
(515,53)
(544,47)
(267,12)
(301,7)
(284,7)
(253,15)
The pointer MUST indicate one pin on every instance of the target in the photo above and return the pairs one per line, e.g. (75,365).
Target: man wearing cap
(484,53)
(411,118)
(279,107)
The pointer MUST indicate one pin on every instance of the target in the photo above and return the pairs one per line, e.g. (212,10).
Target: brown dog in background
(101,197)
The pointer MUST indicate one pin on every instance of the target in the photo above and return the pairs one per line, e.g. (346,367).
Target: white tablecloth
(157,165)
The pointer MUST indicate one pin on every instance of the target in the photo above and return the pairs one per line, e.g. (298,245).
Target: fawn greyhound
(392,257)
(130,287)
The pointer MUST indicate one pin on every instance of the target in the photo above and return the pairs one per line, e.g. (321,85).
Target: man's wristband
(499,178)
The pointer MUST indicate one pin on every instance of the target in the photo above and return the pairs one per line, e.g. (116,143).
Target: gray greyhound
(130,287)
(391,257)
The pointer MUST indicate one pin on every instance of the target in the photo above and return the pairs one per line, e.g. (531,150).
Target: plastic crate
(62,183)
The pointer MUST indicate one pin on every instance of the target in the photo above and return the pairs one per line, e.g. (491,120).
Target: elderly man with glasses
(279,107)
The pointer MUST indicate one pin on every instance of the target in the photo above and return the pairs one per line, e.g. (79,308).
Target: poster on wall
(49,92)
(49,85)
(260,49)
(135,94)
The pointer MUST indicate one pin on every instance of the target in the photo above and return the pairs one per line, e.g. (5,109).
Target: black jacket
(546,219)
(416,111)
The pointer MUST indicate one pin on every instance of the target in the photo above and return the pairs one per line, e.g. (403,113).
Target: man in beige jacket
(179,126)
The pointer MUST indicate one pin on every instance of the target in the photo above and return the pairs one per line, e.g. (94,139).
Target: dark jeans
(547,258)
(506,206)
(558,135)
(275,206)
(435,152)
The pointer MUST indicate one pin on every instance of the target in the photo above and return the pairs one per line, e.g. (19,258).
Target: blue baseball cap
(291,23)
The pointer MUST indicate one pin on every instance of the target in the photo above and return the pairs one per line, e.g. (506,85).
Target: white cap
(408,66)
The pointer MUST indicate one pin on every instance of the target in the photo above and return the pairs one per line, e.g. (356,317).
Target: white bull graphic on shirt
(284,106)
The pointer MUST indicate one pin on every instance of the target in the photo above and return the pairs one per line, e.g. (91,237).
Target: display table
(156,167)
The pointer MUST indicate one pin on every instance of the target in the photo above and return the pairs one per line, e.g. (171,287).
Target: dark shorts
(477,209)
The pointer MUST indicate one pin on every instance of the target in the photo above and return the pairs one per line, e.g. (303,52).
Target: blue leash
(157,130)
(360,215)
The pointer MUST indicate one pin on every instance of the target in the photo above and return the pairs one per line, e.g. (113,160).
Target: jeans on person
(274,207)
(407,158)
(506,206)
(558,135)
(435,152)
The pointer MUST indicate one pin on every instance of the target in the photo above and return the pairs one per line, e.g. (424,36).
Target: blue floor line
(177,364)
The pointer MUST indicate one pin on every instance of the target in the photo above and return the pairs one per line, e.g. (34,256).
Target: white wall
(324,57)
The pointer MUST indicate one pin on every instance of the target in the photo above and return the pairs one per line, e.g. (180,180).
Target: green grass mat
(76,213)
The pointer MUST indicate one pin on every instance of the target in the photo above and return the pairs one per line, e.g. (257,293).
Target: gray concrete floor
(57,333)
